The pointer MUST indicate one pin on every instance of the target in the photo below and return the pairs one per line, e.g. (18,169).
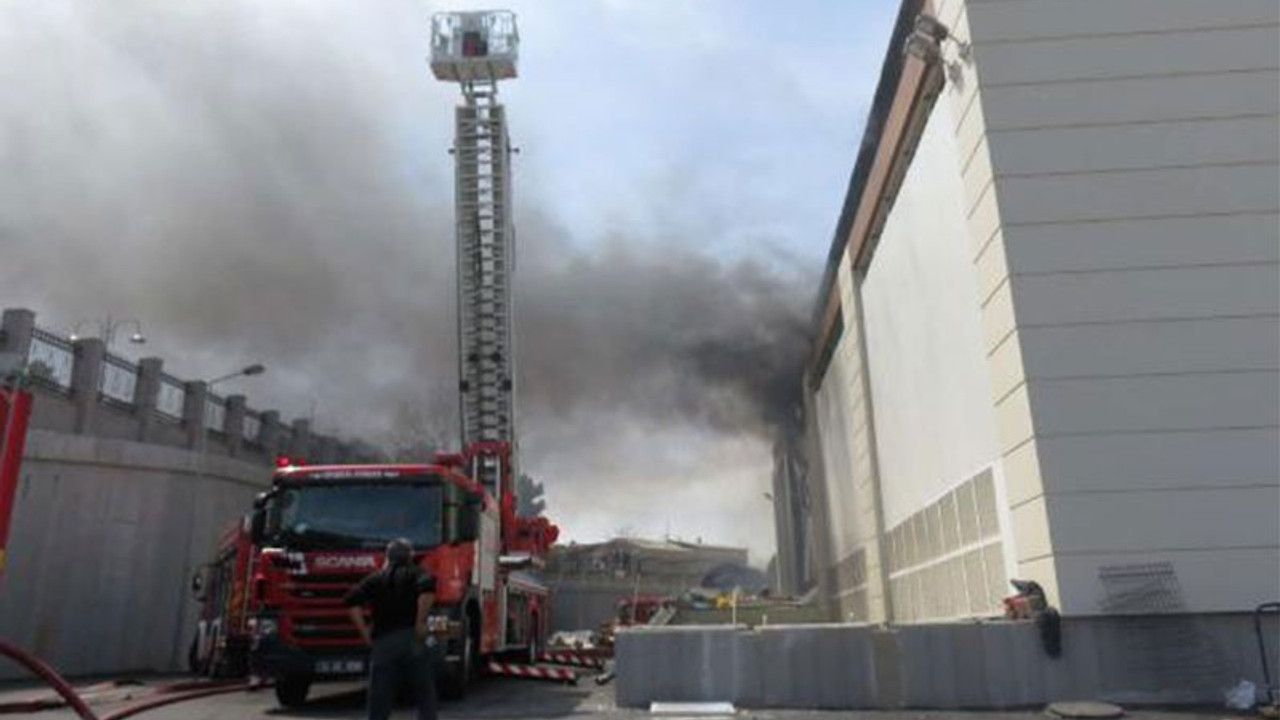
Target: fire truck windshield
(357,514)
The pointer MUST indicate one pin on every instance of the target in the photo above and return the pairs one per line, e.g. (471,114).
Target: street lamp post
(107,328)
(201,451)
(247,371)
(777,552)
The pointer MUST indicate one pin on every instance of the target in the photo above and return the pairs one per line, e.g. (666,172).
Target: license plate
(339,667)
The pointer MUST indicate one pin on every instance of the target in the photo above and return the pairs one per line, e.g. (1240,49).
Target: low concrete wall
(1164,659)
(105,534)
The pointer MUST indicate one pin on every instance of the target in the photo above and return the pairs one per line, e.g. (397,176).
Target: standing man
(400,596)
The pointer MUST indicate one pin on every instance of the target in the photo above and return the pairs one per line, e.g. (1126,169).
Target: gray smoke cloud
(661,331)
(261,185)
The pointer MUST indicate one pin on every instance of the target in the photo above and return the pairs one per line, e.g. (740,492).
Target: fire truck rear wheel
(193,658)
(534,649)
(291,690)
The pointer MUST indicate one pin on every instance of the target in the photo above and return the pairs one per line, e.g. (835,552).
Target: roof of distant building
(667,545)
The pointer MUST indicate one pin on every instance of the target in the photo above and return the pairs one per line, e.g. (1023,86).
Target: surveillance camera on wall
(932,27)
(922,46)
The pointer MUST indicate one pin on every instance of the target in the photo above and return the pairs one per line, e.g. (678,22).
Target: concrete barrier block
(920,680)
(887,667)
(1076,673)
(1015,665)
(953,666)
(750,657)
(968,649)
(693,664)
(940,661)
(1156,658)
(823,666)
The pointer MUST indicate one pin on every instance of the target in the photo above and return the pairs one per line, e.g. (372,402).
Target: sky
(268,181)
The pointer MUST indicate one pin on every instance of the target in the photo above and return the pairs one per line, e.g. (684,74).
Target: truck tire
(237,660)
(457,676)
(229,662)
(193,658)
(535,646)
(291,690)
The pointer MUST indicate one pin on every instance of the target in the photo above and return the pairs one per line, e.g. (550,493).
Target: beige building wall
(1121,162)
(843,415)
(935,426)
(1103,178)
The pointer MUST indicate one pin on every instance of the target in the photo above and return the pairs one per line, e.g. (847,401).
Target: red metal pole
(15,409)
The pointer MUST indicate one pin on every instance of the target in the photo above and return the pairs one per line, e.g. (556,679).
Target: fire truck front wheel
(460,671)
(291,690)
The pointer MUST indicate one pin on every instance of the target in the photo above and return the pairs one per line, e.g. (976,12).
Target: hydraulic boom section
(476,50)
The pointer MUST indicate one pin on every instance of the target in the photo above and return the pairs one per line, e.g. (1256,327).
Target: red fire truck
(272,596)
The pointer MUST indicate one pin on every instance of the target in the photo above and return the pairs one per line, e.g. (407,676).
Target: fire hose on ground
(166,695)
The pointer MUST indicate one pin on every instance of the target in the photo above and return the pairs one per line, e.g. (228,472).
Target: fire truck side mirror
(469,517)
(198,584)
(258,518)
(257,525)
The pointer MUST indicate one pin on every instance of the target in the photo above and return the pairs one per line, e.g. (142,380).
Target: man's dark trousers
(397,656)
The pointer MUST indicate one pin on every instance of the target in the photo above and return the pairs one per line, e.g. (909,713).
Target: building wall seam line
(1123,218)
(1144,268)
(1269,162)
(1035,39)
(1088,79)
(1143,320)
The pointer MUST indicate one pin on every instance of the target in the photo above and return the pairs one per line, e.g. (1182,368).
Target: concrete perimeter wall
(1178,659)
(585,604)
(105,536)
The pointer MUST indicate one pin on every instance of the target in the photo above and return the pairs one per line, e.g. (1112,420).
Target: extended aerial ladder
(476,50)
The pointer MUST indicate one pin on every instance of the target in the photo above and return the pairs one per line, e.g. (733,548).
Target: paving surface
(498,699)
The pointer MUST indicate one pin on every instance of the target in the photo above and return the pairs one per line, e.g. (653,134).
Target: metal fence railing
(119,380)
(171,397)
(252,426)
(215,413)
(51,358)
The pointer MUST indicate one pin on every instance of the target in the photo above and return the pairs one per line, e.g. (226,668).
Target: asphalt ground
(501,698)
